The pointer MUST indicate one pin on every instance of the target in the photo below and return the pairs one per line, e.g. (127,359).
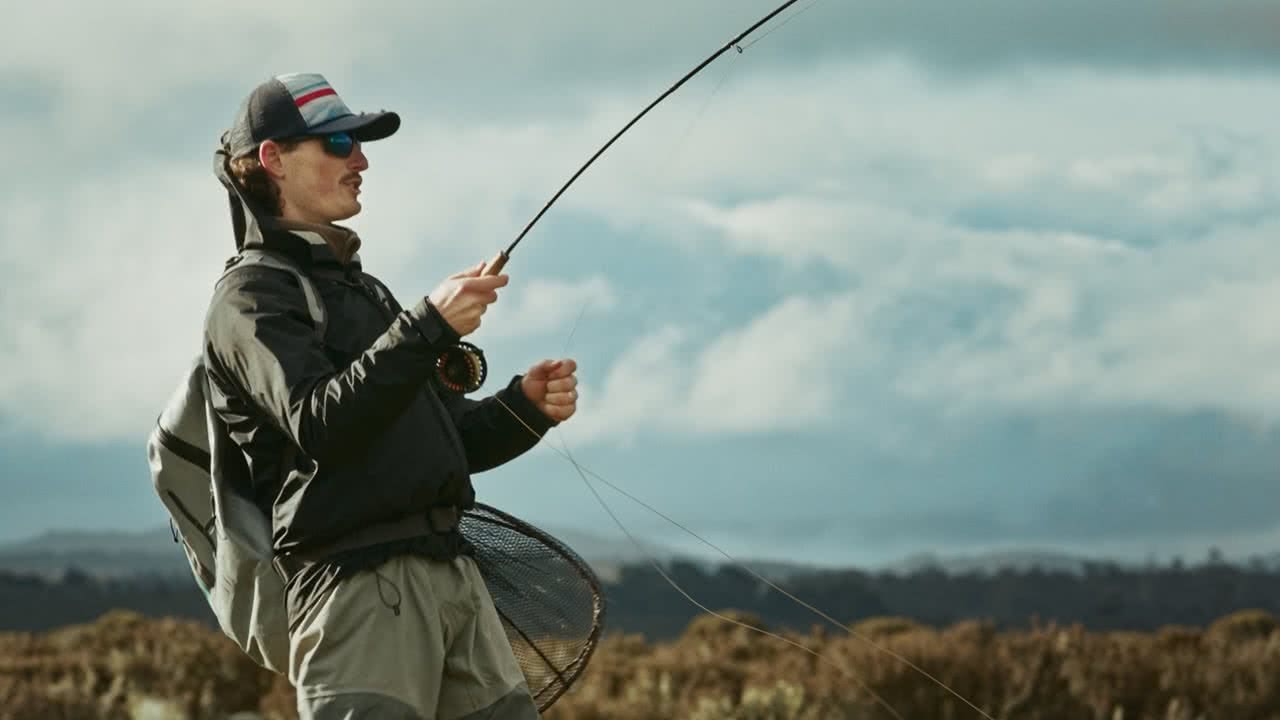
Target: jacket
(354,430)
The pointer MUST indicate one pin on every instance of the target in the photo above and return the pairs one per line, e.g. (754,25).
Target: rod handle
(494,266)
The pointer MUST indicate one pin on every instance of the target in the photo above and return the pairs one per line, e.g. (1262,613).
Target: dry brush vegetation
(129,667)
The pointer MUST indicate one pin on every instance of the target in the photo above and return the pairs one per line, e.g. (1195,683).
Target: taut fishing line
(499,262)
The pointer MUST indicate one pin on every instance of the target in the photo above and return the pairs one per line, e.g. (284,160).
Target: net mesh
(548,598)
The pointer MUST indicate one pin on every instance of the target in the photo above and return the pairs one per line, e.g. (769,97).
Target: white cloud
(802,229)
(643,385)
(1181,328)
(543,306)
(785,369)
(1090,246)
(452,194)
(131,54)
(107,300)
(111,277)
(1065,228)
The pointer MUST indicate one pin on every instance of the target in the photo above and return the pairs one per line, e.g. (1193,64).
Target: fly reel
(461,368)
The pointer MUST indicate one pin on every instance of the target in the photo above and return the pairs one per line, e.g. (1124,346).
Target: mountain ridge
(153,551)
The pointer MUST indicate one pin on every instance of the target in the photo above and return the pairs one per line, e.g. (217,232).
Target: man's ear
(269,156)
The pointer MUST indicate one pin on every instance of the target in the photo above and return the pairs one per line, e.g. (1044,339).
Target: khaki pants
(444,656)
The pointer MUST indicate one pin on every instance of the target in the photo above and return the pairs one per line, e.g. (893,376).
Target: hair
(253,179)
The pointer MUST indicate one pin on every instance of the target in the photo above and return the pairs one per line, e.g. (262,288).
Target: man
(355,448)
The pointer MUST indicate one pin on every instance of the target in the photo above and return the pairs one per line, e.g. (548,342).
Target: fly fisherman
(358,453)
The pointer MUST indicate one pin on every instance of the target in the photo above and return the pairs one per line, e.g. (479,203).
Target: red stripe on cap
(313,95)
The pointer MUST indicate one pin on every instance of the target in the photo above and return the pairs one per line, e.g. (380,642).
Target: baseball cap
(301,104)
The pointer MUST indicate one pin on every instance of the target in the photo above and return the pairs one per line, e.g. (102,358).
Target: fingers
(557,373)
(473,271)
(565,368)
(562,393)
(540,370)
(465,296)
(559,369)
(559,413)
(562,399)
(562,385)
(484,283)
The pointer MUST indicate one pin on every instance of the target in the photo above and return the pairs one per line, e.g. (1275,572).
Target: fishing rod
(463,368)
(497,264)
(494,266)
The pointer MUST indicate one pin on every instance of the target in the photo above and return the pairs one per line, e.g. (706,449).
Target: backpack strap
(384,294)
(255,256)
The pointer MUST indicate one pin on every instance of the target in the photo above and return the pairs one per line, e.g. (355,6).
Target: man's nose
(358,161)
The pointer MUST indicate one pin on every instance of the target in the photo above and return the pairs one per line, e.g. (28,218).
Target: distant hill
(642,600)
(100,554)
(114,541)
(1048,561)
(124,554)
(993,562)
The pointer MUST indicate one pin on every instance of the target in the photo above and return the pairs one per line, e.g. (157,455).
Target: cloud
(782,370)
(1007,34)
(865,252)
(109,71)
(96,338)
(987,319)
(1016,257)
(539,306)
(86,51)
(111,275)
(1150,328)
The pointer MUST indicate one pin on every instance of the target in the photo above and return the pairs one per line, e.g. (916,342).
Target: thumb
(541,370)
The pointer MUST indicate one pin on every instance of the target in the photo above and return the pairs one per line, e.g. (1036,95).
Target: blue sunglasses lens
(339,144)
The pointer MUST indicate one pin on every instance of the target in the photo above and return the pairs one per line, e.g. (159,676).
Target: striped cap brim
(366,127)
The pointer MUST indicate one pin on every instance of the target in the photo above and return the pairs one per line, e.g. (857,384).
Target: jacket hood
(244,212)
(252,226)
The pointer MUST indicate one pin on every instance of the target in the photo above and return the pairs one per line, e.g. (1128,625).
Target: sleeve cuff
(431,325)
(515,398)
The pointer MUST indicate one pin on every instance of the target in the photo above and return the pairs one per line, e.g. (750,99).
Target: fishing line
(770,31)
(584,471)
(503,256)
(671,154)
(501,260)
(698,116)
(564,350)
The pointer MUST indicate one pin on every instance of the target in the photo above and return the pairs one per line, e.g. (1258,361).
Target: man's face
(315,186)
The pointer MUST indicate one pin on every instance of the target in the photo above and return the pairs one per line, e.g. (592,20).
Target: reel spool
(462,368)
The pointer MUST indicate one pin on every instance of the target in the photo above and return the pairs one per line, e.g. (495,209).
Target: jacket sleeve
(489,433)
(259,339)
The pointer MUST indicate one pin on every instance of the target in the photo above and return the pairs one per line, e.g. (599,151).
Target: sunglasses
(339,144)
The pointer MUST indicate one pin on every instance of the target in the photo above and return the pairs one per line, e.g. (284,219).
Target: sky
(897,278)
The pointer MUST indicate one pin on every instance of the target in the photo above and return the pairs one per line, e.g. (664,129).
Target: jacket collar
(307,243)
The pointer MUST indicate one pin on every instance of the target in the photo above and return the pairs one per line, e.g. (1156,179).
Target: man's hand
(464,296)
(552,387)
